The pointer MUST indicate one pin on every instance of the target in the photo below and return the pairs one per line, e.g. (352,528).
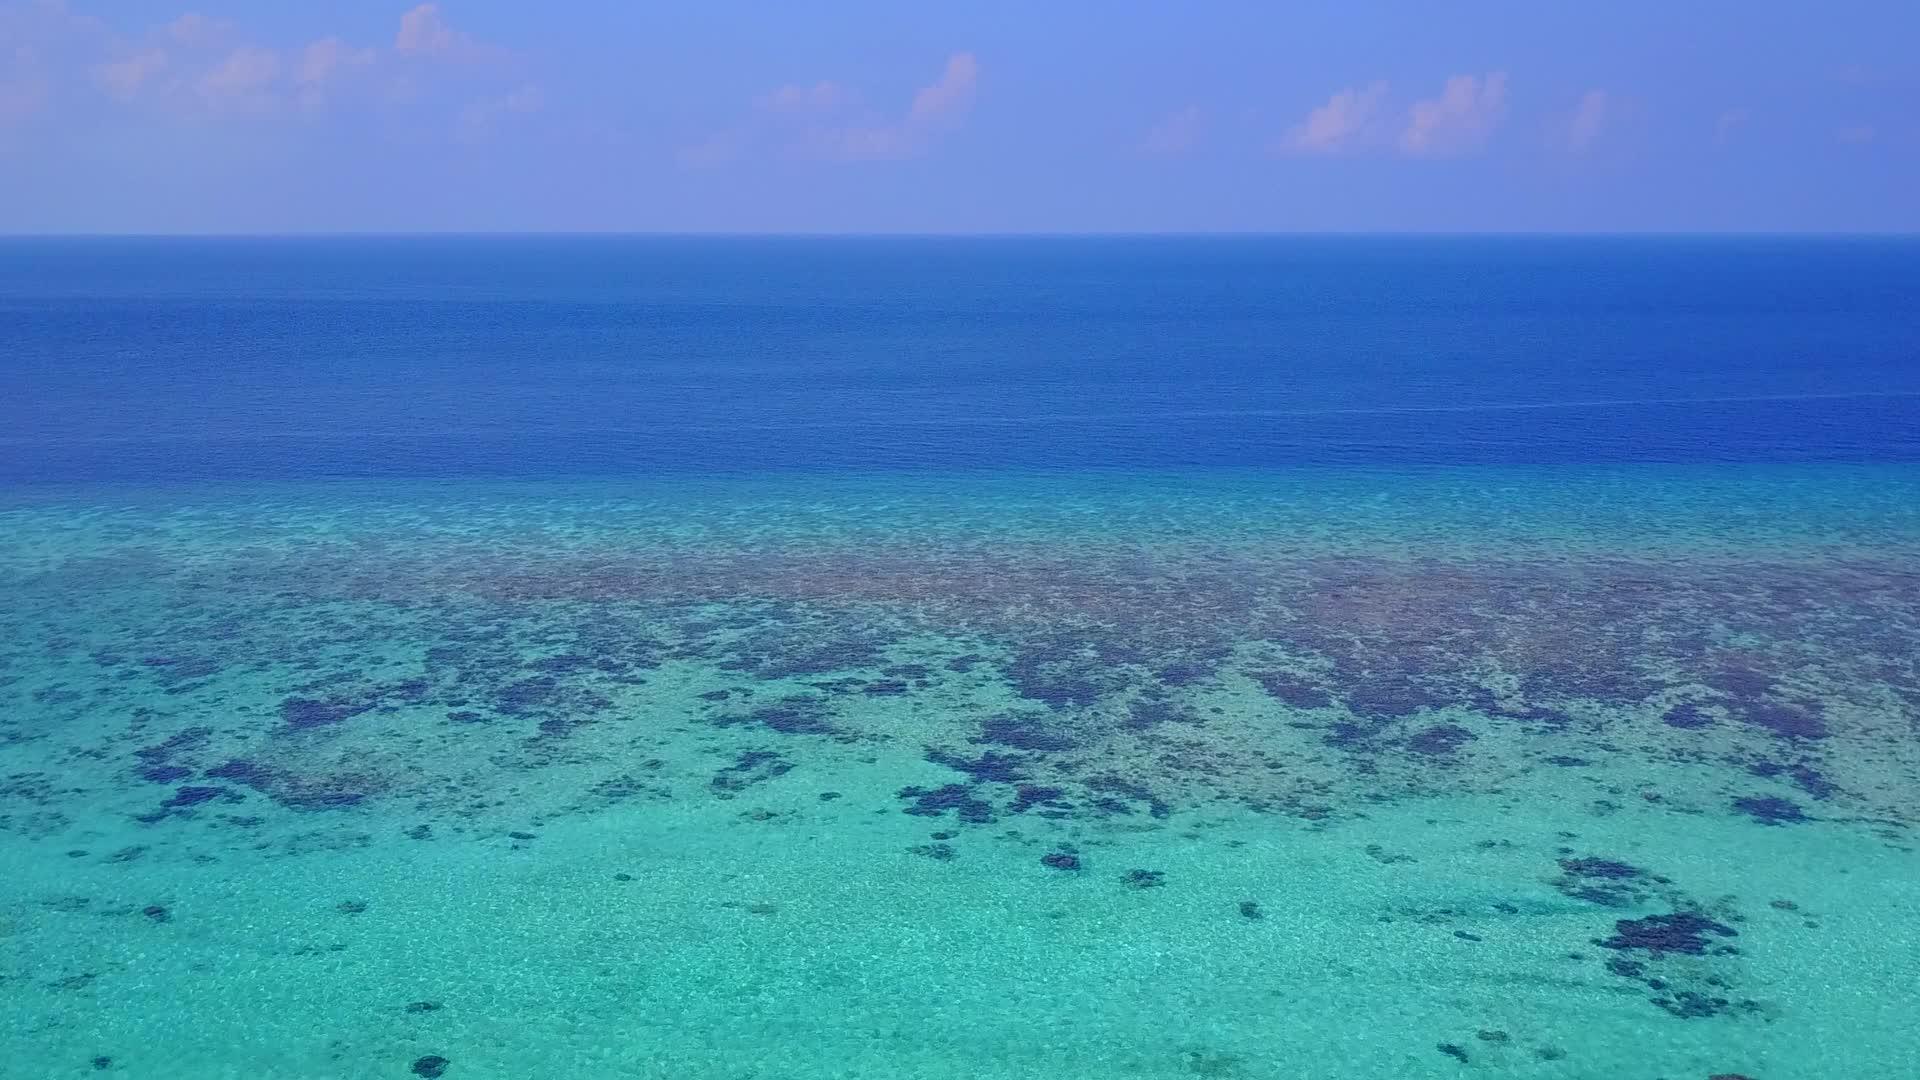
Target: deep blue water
(139,360)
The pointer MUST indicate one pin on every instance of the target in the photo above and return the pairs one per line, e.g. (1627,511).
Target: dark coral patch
(987,768)
(165,774)
(1352,735)
(1292,690)
(527,696)
(956,797)
(430,1066)
(1740,680)
(1393,695)
(1687,717)
(1770,809)
(296,791)
(750,767)
(1129,792)
(1028,796)
(304,714)
(1607,882)
(1680,932)
(1060,677)
(1143,879)
(242,771)
(1790,722)
(194,795)
(1691,1004)
(1441,739)
(319,793)
(1805,777)
(1183,673)
(793,716)
(1151,711)
(1593,867)
(1024,731)
(189,739)
(1060,860)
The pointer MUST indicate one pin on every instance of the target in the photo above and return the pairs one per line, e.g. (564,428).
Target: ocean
(1155,657)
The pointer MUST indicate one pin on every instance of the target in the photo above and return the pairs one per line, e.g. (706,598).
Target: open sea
(1119,658)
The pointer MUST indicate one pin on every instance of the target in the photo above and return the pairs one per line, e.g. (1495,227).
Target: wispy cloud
(195,65)
(714,150)
(936,107)
(36,45)
(1589,119)
(1728,125)
(794,97)
(321,63)
(244,80)
(123,78)
(195,30)
(22,93)
(479,119)
(1460,120)
(820,121)
(1176,134)
(1338,124)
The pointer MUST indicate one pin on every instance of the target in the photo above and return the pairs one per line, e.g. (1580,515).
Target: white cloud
(124,78)
(822,95)
(952,94)
(1176,134)
(422,30)
(322,59)
(1589,118)
(243,80)
(1461,119)
(322,64)
(197,31)
(1336,125)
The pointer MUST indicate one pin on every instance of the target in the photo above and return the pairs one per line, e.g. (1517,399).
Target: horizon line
(316,234)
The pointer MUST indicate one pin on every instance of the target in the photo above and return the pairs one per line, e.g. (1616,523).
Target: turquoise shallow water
(1558,772)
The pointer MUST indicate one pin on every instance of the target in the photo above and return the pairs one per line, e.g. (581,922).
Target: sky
(226,116)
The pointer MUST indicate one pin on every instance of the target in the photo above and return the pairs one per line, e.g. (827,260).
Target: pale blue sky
(988,116)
